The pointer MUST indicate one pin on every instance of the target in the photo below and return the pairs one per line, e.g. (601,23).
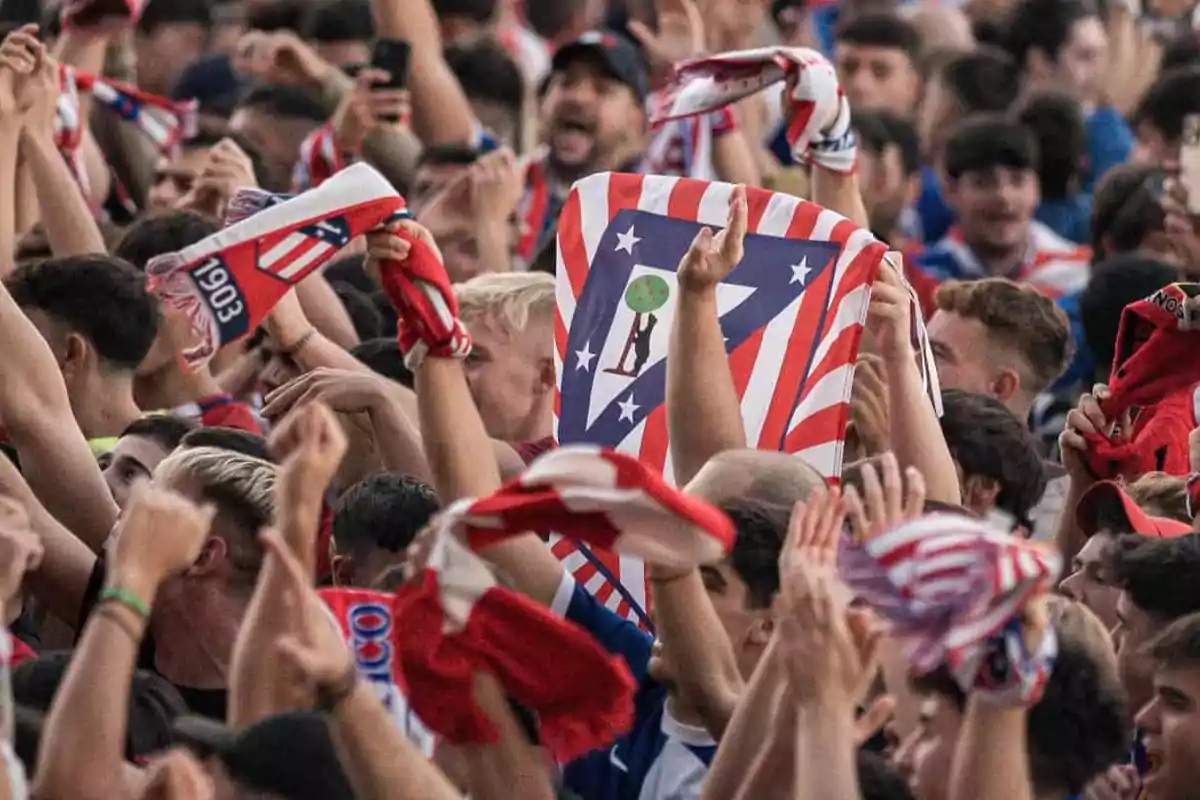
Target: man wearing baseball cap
(1106,512)
(593,119)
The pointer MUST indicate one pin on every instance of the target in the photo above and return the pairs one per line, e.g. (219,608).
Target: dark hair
(1181,52)
(28,725)
(165,429)
(157,13)
(755,554)
(368,324)
(384,358)
(983,142)
(448,154)
(339,21)
(234,439)
(276,15)
(168,232)
(1159,574)
(878,129)
(1126,209)
(153,702)
(985,79)
(1043,25)
(1175,95)
(487,72)
(989,442)
(884,30)
(390,320)
(1080,725)
(1056,120)
(283,101)
(1179,644)
(349,269)
(481,11)
(1114,284)
(878,779)
(386,510)
(102,298)
(550,18)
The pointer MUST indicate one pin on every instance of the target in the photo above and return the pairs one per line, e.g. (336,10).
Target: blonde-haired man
(511,367)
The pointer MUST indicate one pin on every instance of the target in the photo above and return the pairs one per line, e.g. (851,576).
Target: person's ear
(214,552)
(979,494)
(1005,385)
(546,376)
(76,355)
(342,568)
(761,629)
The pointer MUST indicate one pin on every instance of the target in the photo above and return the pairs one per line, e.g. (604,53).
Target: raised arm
(82,749)
(441,112)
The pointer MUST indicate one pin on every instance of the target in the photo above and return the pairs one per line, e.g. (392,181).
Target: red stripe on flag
(741,360)
(570,242)
(795,361)
(822,427)
(624,191)
(654,438)
(684,202)
(804,220)
(756,205)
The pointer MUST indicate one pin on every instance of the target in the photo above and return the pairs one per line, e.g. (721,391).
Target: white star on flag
(584,358)
(626,241)
(627,407)
(800,272)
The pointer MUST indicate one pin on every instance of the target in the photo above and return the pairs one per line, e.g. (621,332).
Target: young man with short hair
(374,522)
(990,180)
(341,31)
(100,322)
(1170,722)
(1158,119)
(510,370)
(170,34)
(143,444)
(999,338)
(876,58)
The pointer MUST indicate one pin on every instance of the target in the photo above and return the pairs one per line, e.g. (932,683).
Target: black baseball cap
(620,56)
(291,754)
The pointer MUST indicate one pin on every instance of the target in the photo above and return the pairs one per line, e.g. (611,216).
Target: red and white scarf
(706,84)
(226,285)
(165,122)
(456,620)
(952,588)
(320,159)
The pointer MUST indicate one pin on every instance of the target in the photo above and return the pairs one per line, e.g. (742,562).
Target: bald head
(773,482)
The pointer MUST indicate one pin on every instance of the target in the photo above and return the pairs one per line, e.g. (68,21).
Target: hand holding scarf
(818,113)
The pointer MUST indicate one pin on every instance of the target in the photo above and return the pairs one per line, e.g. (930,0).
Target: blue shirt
(1109,143)
(1070,218)
(659,758)
(936,216)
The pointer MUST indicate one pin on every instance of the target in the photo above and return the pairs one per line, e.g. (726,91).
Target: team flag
(792,314)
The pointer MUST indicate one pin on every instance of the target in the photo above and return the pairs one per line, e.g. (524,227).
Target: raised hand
(21,55)
(20,548)
(344,391)
(889,316)
(280,57)
(369,108)
(496,185)
(227,168)
(829,648)
(386,244)
(869,417)
(309,445)
(712,257)
(160,533)
(177,775)
(1087,418)
(317,651)
(884,502)
(680,34)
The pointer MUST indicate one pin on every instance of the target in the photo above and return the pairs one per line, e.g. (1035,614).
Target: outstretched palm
(712,257)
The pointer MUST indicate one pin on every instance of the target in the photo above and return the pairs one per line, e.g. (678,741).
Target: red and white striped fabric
(1053,265)
(792,313)
(951,586)
(320,159)
(708,83)
(607,499)
(225,285)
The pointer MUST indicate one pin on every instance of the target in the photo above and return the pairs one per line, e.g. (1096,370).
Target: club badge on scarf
(226,285)
(367,623)
(818,113)
(1156,372)
(952,588)
(458,621)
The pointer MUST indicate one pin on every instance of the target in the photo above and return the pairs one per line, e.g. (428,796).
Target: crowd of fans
(307,557)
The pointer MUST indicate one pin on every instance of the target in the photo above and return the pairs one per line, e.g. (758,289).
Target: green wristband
(116,594)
